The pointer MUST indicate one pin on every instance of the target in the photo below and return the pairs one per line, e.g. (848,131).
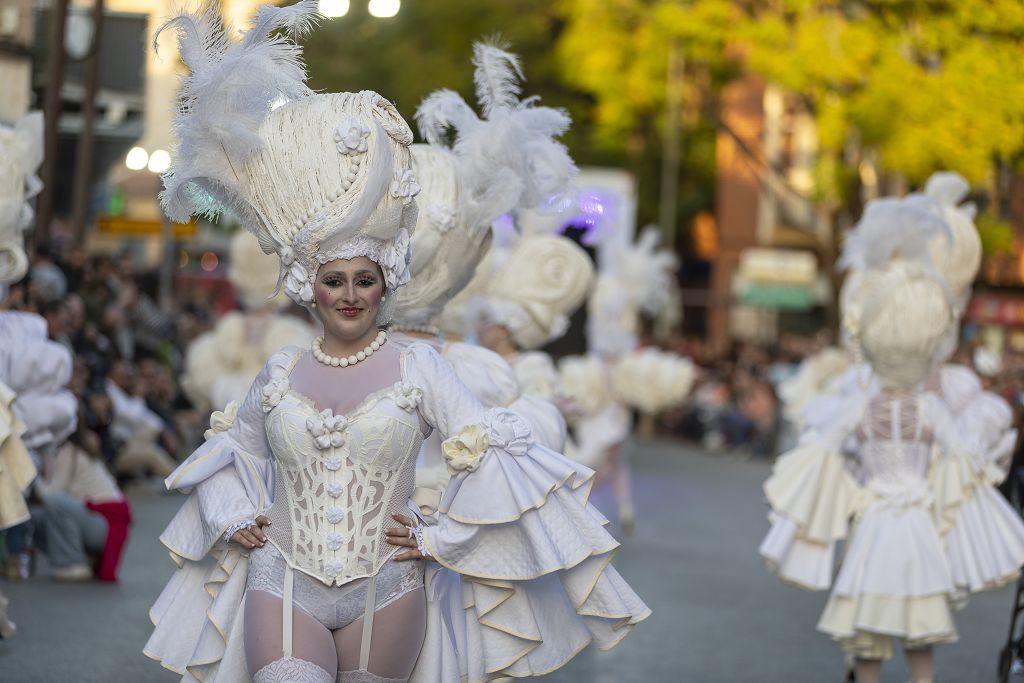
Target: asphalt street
(718,615)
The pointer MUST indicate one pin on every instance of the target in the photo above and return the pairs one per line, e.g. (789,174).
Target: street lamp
(159,161)
(137,159)
(384,9)
(333,8)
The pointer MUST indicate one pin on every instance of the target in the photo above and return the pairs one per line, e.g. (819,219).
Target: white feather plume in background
(509,159)
(230,89)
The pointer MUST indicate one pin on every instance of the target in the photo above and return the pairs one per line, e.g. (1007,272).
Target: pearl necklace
(319,354)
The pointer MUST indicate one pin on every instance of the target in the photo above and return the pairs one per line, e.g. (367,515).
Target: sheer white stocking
(312,643)
(868,670)
(398,632)
(365,677)
(292,670)
(921,663)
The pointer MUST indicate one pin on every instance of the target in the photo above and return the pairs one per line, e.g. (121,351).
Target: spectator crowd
(131,422)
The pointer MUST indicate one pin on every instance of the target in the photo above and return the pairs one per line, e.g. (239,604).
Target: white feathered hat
(959,257)
(543,280)
(491,168)
(316,177)
(21,152)
(632,280)
(900,309)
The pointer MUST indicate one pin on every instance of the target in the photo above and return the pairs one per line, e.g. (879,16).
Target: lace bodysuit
(895,453)
(345,462)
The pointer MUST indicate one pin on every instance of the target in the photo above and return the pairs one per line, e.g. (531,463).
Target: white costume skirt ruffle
(894,581)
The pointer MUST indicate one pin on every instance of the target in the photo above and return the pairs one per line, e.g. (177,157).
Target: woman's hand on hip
(252,536)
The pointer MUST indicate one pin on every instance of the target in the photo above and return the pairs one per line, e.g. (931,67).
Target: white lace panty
(333,606)
(292,670)
(365,677)
(327,623)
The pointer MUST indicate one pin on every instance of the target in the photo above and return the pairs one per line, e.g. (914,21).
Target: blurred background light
(159,161)
(136,159)
(333,9)
(209,262)
(382,9)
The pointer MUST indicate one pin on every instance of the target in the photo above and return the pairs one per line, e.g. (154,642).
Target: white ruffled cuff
(236,527)
(226,485)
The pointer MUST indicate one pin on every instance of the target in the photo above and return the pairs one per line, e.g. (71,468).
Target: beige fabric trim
(924,620)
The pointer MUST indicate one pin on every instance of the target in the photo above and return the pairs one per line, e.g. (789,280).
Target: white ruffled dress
(914,499)
(16,467)
(37,370)
(528,581)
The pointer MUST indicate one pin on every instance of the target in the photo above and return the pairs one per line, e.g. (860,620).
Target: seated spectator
(135,428)
(83,518)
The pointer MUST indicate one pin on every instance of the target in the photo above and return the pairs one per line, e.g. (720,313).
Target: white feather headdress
(959,257)
(543,280)
(486,174)
(315,177)
(509,158)
(633,280)
(21,152)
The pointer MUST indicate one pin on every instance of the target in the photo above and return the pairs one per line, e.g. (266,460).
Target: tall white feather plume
(229,92)
(637,278)
(440,112)
(497,77)
(894,228)
(509,159)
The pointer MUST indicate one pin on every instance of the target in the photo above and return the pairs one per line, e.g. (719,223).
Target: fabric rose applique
(275,389)
(335,541)
(351,136)
(297,284)
(333,567)
(405,186)
(465,450)
(327,429)
(408,396)
(221,421)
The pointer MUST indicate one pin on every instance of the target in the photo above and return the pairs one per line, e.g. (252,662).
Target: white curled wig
(316,177)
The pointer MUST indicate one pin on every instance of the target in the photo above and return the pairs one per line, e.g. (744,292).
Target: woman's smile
(350,311)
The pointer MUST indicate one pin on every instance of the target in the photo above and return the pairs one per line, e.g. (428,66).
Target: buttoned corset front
(339,479)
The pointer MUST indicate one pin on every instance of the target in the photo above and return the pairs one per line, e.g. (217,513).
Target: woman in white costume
(453,231)
(526,302)
(613,378)
(37,412)
(222,363)
(319,459)
(956,255)
(913,495)
(21,151)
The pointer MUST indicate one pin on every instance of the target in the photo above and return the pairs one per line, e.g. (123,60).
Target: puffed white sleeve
(983,535)
(813,496)
(230,478)
(515,523)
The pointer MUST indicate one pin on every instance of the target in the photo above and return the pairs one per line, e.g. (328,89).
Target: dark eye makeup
(337,280)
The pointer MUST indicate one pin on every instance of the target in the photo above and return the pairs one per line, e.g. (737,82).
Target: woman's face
(348,294)
(493,336)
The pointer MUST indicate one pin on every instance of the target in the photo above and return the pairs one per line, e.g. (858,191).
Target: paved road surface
(718,616)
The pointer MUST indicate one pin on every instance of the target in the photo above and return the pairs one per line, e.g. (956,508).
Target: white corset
(339,479)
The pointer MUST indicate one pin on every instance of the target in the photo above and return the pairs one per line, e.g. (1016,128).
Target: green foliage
(929,84)
(996,235)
